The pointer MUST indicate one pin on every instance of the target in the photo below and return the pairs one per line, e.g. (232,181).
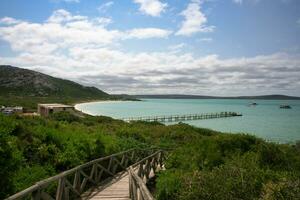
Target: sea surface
(266,120)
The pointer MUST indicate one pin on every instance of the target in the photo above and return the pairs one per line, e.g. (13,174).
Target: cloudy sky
(205,47)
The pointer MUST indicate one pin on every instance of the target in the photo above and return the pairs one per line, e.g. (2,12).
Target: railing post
(161,154)
(110,163)
(36,195)
(76,182)
(130,184)
(115,167)
(147,171)
(60,188)
(134,191)
(126,161)
(133,155)
(95,172)
(66,193)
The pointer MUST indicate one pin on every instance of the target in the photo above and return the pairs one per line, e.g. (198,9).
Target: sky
(202,47)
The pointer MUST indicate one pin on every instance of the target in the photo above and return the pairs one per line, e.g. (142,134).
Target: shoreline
(96,101)
(284,131)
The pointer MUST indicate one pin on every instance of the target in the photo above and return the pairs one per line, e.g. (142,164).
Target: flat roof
(55,105)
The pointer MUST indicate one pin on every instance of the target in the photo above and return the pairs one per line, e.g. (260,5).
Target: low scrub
(203,164)
(231,167)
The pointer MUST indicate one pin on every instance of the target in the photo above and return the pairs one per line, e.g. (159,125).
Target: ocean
(266,120)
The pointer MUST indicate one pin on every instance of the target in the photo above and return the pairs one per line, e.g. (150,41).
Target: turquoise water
(265,120)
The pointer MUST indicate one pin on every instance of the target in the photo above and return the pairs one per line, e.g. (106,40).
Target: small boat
(252,104)
(285,107)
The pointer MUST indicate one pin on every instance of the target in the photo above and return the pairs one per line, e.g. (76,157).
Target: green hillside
(17,81)
(26,87)
(203,164)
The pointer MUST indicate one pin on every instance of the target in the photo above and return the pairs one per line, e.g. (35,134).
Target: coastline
(95,101)
(255,120)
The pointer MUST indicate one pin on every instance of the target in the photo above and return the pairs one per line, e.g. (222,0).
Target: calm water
(265,120)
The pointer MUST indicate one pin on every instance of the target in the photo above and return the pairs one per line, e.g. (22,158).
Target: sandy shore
(76,106)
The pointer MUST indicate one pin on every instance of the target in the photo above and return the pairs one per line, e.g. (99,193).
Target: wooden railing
(72,183)
(141,172)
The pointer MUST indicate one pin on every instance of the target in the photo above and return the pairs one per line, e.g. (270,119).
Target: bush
(203,165)
(231,167)
(169,184)
(282,190)
(65,116)
(10,157)
(27,176)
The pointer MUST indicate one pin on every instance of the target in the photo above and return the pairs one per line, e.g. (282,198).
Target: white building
(46,109)
(11,110)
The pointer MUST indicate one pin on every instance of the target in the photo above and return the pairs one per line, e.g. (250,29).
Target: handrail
(140,173)
(74,181)
(139,189)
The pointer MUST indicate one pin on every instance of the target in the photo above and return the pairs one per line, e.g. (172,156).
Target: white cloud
(62,15)
(177,47)
(195,20)
(104,21)
(72,1)
(151,7)
(63,30)
(205,40)
(144,33)
(165,72)
(9,21)
(254,2)
(238,1)
(83,49)
(105,6)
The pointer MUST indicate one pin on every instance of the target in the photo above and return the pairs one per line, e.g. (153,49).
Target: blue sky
(211,47)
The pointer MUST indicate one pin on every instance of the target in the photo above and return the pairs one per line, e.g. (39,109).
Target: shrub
(10,157)
(27,176)
(169,184)
(282,190)
(65,116)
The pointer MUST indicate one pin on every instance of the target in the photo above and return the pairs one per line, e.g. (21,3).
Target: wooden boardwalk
(116,189)
(120,176)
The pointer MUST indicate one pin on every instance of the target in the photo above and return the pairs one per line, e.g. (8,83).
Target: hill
(17,81)
(26,87)
(180,96)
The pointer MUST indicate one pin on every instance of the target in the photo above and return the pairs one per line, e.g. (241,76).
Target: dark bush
(65,116)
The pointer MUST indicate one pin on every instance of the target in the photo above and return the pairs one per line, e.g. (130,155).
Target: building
(11,110)
(46,109)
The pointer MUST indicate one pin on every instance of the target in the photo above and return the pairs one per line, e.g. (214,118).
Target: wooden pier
(179,118)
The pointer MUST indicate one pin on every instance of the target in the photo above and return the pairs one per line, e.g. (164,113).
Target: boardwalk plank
(116,189)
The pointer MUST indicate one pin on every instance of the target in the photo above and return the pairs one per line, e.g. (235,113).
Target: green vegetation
(227,166)
(203,165)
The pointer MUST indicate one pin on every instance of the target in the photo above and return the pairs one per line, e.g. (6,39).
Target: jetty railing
(141,172)
(185,117)
(72,183)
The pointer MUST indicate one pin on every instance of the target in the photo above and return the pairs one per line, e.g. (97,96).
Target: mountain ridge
(181,96)
(18,81)
(24,87)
